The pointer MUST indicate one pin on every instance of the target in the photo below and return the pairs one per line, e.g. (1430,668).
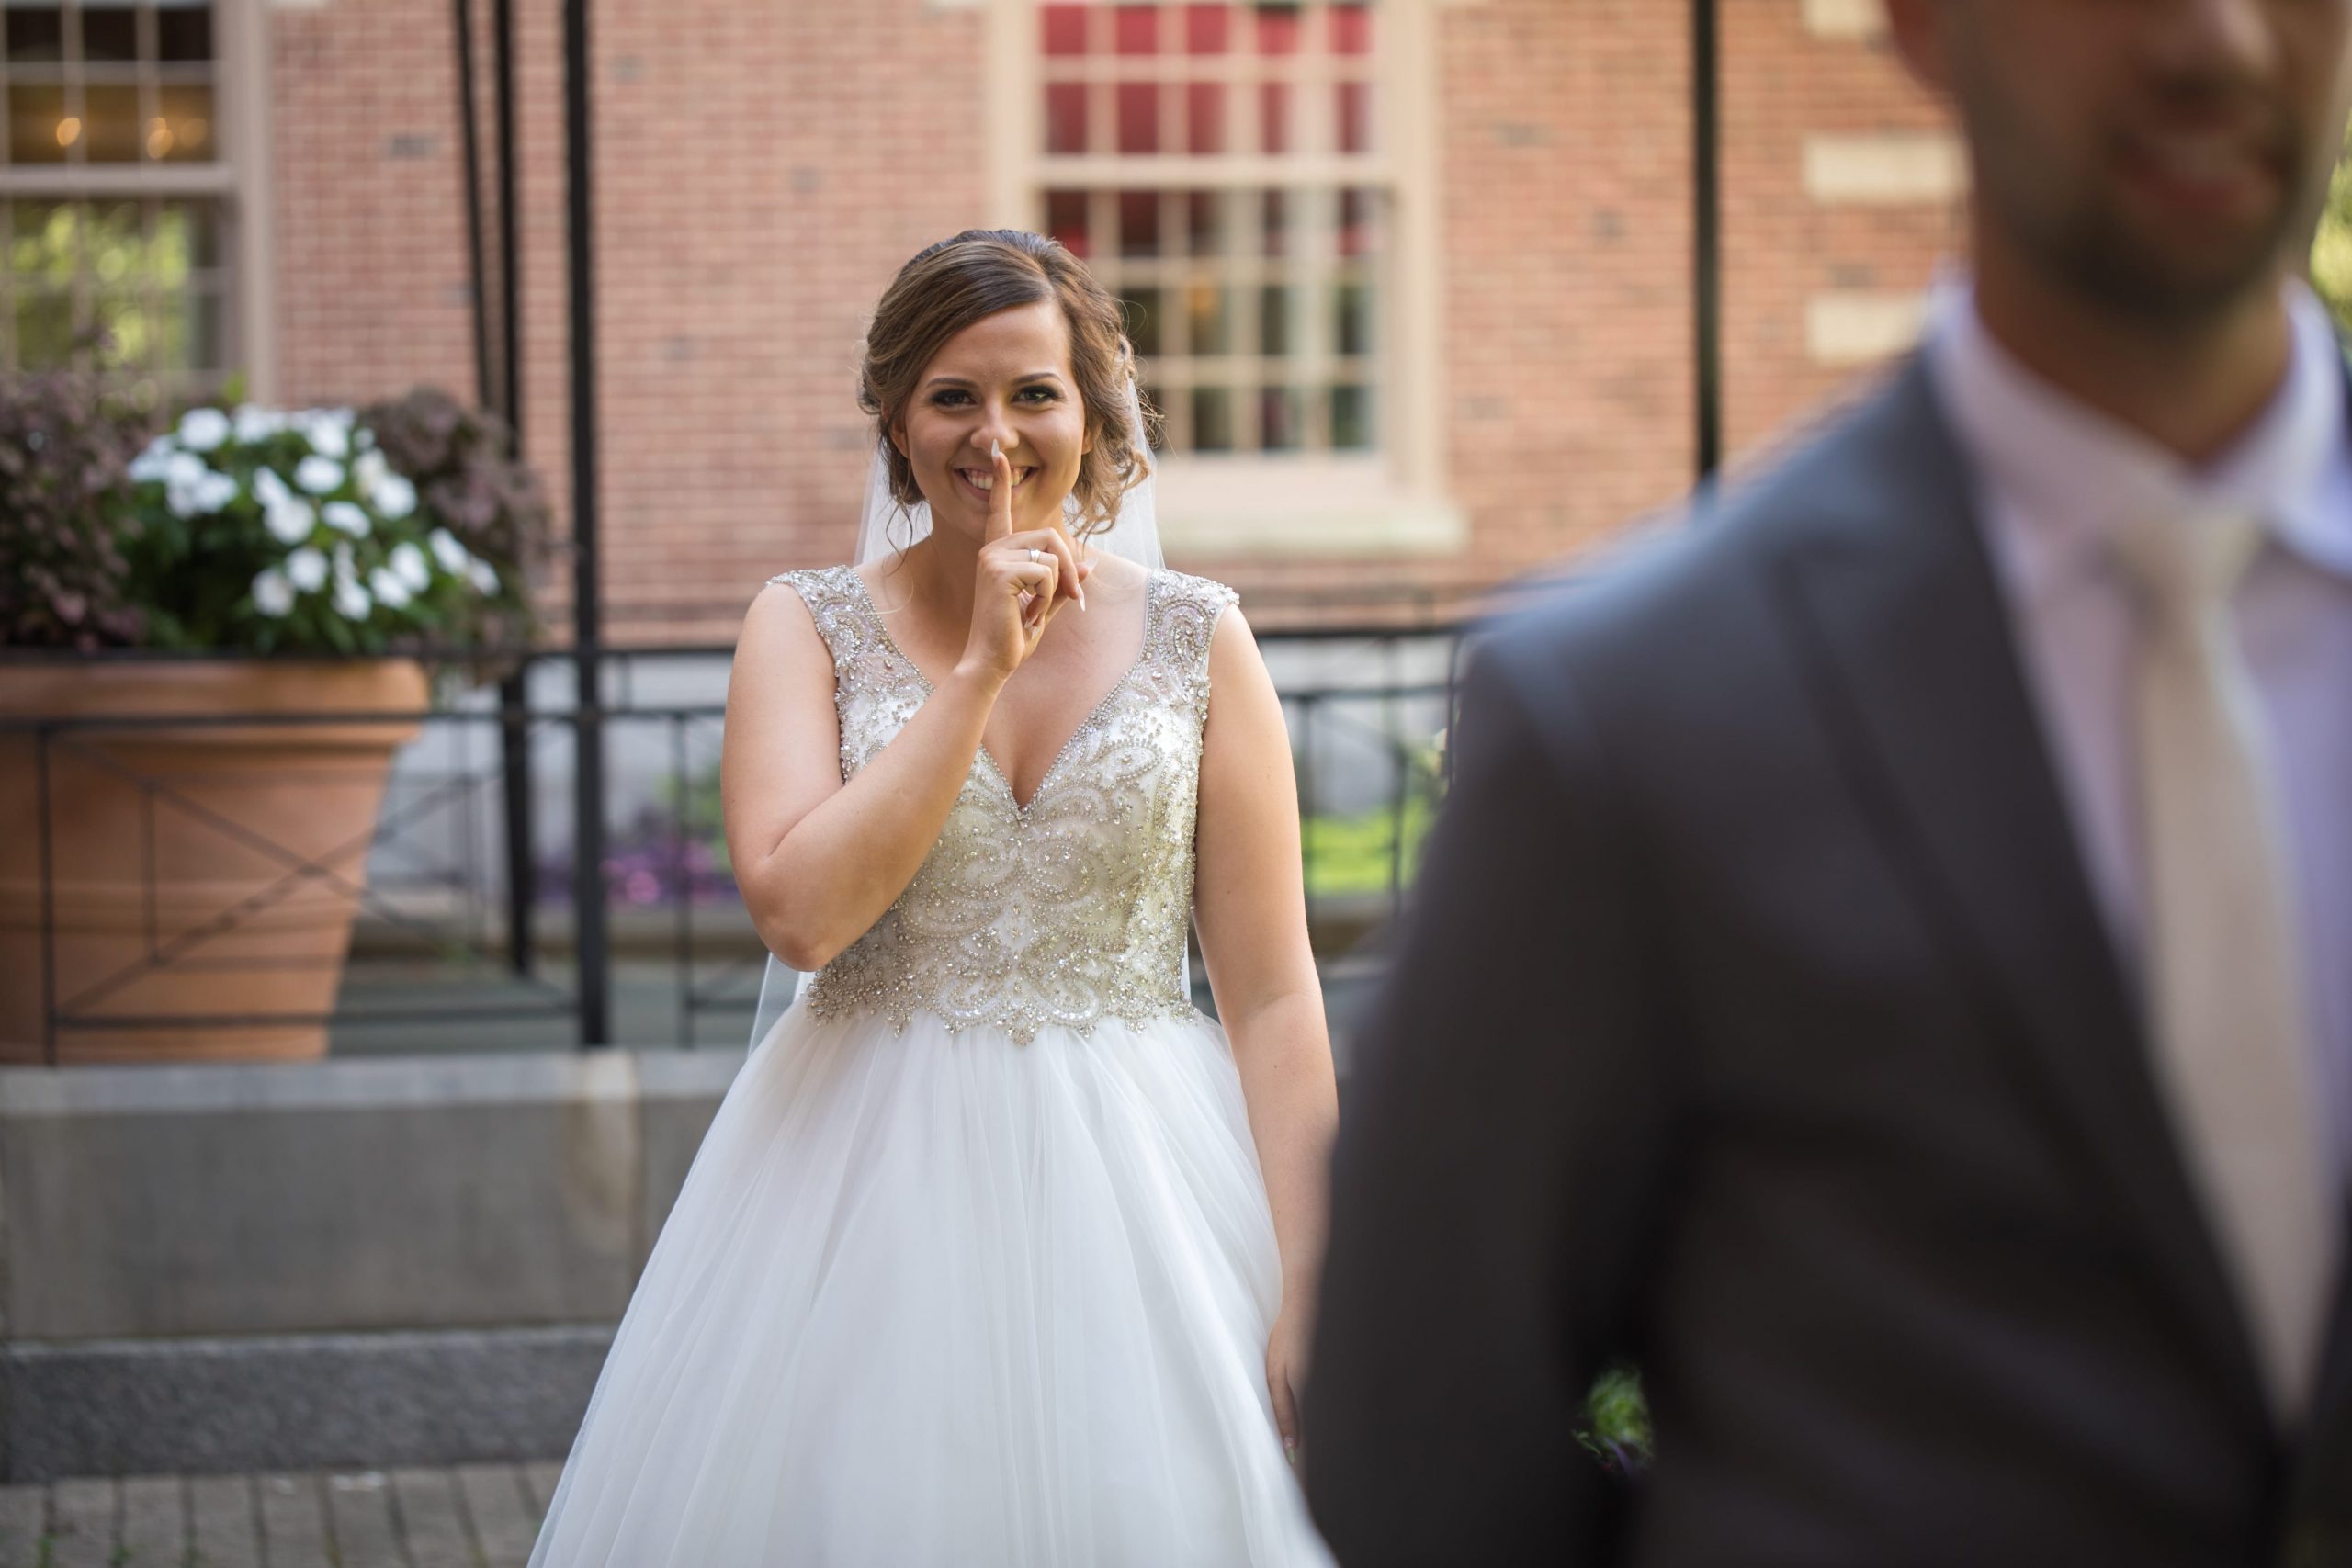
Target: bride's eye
(949,397)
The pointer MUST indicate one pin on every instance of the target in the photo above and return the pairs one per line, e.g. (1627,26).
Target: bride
(998,1251)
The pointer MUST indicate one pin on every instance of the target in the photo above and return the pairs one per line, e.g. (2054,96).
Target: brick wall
(763,168)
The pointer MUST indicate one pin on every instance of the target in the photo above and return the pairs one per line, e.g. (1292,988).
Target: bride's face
(1006,378)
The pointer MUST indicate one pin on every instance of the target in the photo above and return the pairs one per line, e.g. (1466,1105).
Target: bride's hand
(1286,1371)
(1024,581)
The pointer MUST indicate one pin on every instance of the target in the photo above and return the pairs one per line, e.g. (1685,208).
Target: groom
(1886,967)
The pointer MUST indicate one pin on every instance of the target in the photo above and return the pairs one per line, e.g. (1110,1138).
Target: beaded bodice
(1070,909)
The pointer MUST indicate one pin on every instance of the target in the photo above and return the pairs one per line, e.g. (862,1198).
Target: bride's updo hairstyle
(949,285)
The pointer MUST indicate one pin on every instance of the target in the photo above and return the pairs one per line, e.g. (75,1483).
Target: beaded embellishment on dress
(1070,909)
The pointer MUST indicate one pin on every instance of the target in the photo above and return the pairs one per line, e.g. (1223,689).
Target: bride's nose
(996,427)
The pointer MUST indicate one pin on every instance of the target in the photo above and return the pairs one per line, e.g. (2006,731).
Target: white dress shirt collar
(2071,475)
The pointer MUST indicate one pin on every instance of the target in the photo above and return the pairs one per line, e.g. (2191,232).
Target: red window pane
(1065,29)
(1277,28)
(1138,117)
(1138,29)
(1350,29)
(1273,116)
(1066,221)
(1355,117)
(1205,117)
(1065,116)
(1138,222)
(1206,30)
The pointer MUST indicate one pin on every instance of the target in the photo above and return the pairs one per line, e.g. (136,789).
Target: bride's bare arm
(819,861)
(1251,906)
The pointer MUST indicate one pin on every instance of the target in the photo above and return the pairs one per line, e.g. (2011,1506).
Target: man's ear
(1917,28)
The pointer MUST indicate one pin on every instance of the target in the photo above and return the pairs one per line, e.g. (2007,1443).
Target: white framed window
(127,199)
(1255,180)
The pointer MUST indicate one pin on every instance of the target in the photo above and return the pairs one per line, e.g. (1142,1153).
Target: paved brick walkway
(478,1516)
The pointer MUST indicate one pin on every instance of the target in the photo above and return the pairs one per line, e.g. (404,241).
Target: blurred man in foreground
(1887,962)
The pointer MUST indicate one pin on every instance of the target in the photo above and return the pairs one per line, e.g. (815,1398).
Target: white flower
(213,491)
(270,489)
(290,522)
(347,516)
(408,564)
(394,497)
(252,423)
(327,430)
(368,471)
(345,572)
(154,463)
(306,569)
(318,475)
(201,430)
(273,595)
(192,490)
(447,551)
(390,590)
(484,576)
(351,600)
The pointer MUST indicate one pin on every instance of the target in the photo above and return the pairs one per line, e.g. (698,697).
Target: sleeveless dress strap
(836,601)
(1185,619)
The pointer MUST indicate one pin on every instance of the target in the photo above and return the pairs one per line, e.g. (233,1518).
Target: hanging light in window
(69,131)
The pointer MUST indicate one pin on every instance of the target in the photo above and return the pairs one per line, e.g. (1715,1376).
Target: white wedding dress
(974,1265)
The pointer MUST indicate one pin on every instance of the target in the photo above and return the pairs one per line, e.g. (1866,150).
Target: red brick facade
(763,168)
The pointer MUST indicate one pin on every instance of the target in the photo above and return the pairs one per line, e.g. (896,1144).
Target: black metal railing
(467,905)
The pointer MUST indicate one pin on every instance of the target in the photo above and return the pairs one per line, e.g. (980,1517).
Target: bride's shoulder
(800,610)
(820,579)
(1205,592)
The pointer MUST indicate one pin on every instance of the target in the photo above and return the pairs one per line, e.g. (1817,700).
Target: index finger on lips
(999,493)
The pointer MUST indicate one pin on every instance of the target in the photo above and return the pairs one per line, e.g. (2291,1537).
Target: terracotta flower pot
(203,877)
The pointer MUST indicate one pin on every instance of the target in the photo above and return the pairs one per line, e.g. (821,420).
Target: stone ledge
(351,1197)
(289,1402)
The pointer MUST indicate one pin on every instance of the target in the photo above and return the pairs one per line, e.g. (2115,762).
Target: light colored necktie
(2228,1008)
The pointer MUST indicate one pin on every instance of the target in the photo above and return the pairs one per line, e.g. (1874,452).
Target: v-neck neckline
(1093,715)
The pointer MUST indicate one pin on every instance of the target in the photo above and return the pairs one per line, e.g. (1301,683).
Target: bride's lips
(970,480)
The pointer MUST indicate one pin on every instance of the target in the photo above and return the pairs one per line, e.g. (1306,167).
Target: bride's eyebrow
(967,383)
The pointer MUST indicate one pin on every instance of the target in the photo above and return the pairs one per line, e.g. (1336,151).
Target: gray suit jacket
(1754,1019)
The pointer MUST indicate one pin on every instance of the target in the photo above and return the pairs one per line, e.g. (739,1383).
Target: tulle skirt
(935,1299)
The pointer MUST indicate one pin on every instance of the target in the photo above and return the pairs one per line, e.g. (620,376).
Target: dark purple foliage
(460,461)
(65,505)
